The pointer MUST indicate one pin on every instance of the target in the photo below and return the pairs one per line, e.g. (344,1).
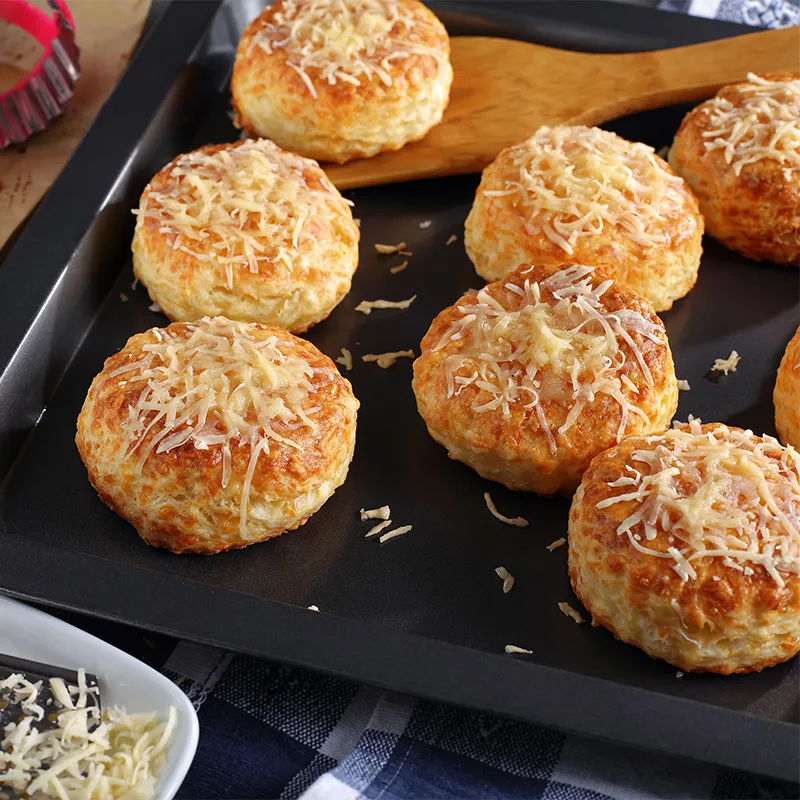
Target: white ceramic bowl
(26,632)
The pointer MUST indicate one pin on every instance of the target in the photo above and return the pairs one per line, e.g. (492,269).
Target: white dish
(26,632)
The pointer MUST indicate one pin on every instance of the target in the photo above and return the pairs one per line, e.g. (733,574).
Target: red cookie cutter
(40,96)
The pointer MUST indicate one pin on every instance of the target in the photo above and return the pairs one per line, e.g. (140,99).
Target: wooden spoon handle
(633,82)
(504,90)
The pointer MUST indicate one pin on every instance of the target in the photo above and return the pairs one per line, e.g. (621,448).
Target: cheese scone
(585,195)
(213,435)
(786,396)
(687,545)
(342,79)
(740,153)
(528,379)
(247,231)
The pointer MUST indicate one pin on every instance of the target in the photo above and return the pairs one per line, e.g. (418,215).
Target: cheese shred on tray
(89,754)
(728,364)
(366,306)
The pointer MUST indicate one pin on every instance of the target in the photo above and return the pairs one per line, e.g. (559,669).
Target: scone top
(755,121)
(349,41)
(216,384)
(571,181)
(698,494)
(555,340)
(248,205)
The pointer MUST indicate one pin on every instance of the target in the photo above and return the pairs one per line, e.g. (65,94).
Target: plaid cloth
(268,731)
(763,13)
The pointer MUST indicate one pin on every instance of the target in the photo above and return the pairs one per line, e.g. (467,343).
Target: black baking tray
(425,613)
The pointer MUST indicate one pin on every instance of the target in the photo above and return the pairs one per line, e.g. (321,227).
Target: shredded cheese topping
(222,386)
(719,493)
(366,306)
(88,754)
(683,386)
(728,364)
(517,522)
(763,124)
(568,611)
(507,578)
(352,41)
(556,544)
(548,340)
(399,268)
(245,206)
(572,181)
(386,360)
(451,239)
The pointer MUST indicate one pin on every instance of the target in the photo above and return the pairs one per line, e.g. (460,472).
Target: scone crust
(297,283)
(757,212)
(786,396)
(345,120)
(178,501)
(515,449)
(722,621)
(504,230)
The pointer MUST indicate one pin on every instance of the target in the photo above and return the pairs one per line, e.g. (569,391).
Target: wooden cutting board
(503,90)
(107,32)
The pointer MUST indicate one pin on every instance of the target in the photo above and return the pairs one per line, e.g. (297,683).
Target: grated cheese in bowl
(88,754)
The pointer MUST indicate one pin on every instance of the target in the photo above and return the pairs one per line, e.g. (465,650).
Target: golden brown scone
(528,379)
(214,435)
(740,153)
(585,195)
(247,231)
(342,79)
(687,545)
(787,394)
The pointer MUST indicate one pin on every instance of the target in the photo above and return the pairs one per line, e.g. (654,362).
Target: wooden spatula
(503,90)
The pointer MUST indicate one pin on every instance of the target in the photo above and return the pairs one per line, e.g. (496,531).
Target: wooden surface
(503,90)
(107,32)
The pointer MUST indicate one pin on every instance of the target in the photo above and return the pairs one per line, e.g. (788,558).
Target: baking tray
(425,613)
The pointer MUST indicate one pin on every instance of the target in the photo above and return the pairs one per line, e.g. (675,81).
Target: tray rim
(337,645)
